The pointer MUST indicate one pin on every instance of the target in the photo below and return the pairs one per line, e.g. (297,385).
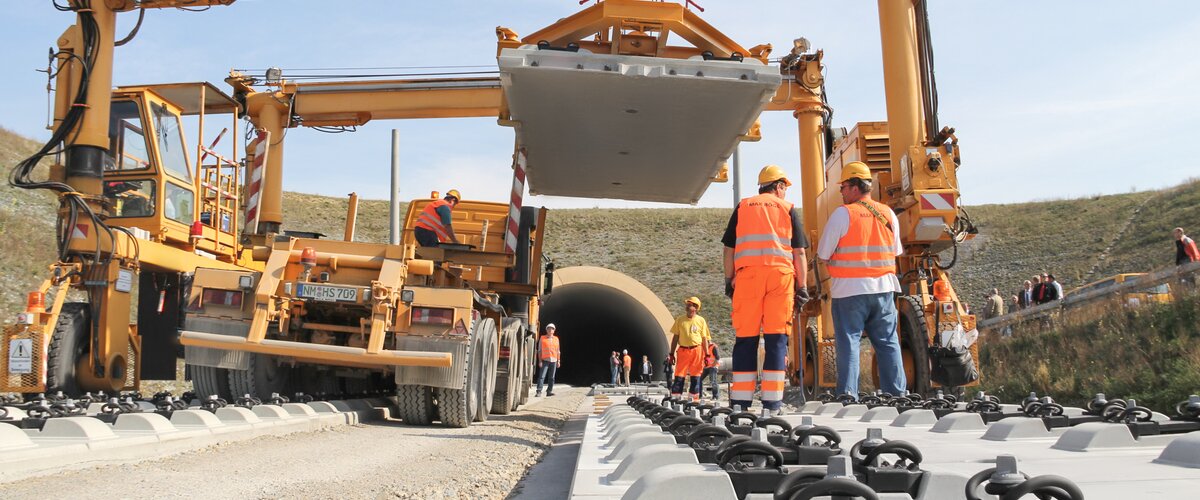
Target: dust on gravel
(380,459)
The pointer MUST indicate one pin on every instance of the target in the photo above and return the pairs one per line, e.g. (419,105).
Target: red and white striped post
(514,203)
(254,175)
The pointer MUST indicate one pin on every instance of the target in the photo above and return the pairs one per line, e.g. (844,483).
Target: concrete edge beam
(649,458)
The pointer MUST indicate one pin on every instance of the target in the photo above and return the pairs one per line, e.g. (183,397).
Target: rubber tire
(811,359)
(315,382)
(208,381)
(263,377)
(914,337)
(68,345)
(489,358)
(527,368)
(414,404)
(458,407)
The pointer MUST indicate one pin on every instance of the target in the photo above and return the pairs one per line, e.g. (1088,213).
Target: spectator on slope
(1025,296)
(1185,248)
(1015,303)
(1039,289)
(1058,291)
(1047,293)
(994,306)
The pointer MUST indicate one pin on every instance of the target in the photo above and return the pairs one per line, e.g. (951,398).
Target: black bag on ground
(952,366)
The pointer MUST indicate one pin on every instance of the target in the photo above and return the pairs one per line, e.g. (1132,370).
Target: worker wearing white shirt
(859,246)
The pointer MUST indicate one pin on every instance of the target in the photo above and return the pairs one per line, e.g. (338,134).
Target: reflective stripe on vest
(764,232)
(429,219)
(549,347)
(867,249)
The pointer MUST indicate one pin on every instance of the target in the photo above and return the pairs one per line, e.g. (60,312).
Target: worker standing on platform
(765,275)
(690,339)
(434,225)
(859,246)
(626,366)
(549,360)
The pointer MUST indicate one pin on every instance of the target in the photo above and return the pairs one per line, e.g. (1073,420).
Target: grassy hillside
(1151,354)
(26,230)
(676,252)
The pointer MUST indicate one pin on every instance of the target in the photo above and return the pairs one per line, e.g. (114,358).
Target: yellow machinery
(195,233)
(139,209)
(914,165)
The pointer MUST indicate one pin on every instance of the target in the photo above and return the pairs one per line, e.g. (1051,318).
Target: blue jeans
(711,374)
(876,315)
(615,373)
(547,370)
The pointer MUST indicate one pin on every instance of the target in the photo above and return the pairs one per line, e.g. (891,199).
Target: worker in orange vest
(859,246)
(712,361)
(765,276)
(549,360)
(434,225)
(690,339)
(626,366)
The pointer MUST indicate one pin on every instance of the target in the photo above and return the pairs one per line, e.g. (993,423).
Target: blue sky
(1050,99)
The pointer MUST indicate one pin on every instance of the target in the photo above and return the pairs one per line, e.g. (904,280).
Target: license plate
(327,293)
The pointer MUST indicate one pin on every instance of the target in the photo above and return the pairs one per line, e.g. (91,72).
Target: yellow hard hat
(855,170)
(772,173)
(693,300)
(454,193)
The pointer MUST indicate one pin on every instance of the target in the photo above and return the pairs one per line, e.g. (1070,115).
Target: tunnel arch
(597,311)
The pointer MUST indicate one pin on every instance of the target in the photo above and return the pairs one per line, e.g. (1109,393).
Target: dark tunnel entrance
(594,319)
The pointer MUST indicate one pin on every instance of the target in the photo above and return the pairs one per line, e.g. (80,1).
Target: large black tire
(527,370)
(811,370)
(264,377)
(415,404)
(914,343)
(459,407)
(488,360)
(314,382)
(68,345)
(208,381)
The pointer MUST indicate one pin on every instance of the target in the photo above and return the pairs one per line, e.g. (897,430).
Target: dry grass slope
(676,252)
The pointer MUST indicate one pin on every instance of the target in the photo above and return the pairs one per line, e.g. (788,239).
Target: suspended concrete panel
(629,127)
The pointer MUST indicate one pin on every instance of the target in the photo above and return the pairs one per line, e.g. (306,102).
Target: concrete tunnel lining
(597,311)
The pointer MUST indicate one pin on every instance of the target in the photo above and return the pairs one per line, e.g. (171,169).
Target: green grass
(27,245)
(1151,354)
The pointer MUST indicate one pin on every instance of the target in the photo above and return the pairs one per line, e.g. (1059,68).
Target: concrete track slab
(648,129)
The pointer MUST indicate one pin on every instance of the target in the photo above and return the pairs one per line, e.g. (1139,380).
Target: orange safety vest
(628,361)
(429,219)
(764,232)
(549,347)
(867,250)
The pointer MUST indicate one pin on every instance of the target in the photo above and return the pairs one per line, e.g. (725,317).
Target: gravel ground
(380,459)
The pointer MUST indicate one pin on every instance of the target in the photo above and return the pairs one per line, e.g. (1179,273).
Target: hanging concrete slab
(629,127)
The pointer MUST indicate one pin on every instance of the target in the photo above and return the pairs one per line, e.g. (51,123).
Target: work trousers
(711,374)
(425,237)
(876,315)
(546,372)
(762,304)
(745,368)
(625,375)
(693,384)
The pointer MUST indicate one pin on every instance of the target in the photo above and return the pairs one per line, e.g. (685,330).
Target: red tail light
(432,316)
(225,298)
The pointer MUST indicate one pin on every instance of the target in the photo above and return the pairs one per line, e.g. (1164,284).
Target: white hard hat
(626,351)
(550,326)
